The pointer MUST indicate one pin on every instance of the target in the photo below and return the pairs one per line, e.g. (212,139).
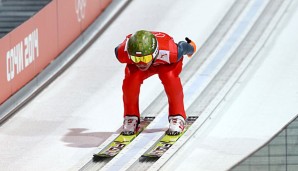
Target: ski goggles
(145,59)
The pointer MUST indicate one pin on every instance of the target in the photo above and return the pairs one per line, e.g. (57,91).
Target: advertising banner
(88,11)
(69,27)
(29,48)
(24,50)
(5,86)
(46,28)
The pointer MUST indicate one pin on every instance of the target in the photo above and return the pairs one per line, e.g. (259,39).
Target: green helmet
(142,43)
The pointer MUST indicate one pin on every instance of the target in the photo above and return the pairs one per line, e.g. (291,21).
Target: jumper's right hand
(192,43)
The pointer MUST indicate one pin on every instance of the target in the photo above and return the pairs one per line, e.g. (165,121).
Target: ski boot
(130,125)
(176,125)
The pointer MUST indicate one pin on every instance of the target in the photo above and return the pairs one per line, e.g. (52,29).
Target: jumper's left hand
(191,43)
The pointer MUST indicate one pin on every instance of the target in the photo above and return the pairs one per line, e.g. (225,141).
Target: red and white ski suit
(167,65)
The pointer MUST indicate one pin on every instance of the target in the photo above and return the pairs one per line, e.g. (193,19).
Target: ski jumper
(168,66)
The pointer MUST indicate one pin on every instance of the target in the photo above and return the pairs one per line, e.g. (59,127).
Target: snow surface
(264,100)
(83,107)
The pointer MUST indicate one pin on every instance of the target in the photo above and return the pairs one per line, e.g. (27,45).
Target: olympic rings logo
(80,9)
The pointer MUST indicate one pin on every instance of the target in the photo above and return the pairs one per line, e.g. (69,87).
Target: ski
(121,141)
(159,148)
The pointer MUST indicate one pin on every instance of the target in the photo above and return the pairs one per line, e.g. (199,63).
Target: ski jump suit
(167,65)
